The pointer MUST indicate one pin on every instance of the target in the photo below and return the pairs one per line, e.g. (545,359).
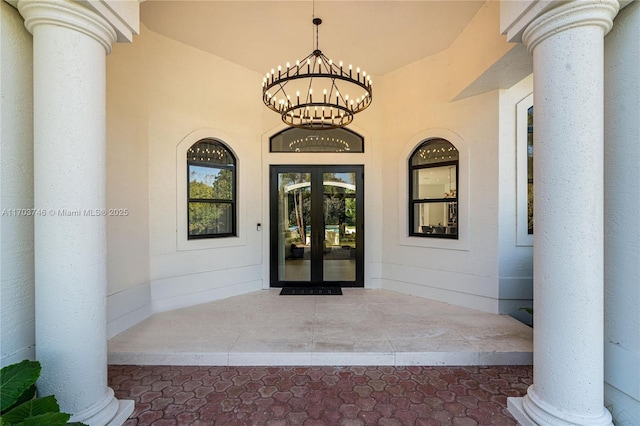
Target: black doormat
(311,291)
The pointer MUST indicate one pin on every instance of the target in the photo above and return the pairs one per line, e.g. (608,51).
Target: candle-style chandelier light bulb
(340,91)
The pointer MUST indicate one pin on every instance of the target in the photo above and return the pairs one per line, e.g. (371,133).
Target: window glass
(210,183)
(435,182)
(211,169)
(209,219)
(305,140)
(433,190)
(434,151)
(530,170)
(436,219)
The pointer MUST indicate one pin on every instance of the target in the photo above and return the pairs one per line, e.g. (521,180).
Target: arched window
(211,189)
(294,139)
(433,190)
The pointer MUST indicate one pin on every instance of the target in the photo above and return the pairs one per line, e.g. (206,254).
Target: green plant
(19,405)
(527,310)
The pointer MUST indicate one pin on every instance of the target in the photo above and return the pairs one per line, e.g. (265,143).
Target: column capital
(67,14)
(570,15)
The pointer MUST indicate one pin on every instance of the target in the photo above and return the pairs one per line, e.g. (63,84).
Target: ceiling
(378,36)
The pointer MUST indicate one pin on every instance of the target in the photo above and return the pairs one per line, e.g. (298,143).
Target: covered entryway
(316,228)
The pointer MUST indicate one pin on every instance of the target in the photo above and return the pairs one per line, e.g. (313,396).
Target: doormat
(311,291)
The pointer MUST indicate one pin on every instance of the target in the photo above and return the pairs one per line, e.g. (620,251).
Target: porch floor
(361,327)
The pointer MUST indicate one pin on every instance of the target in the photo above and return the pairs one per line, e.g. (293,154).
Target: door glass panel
(339,211)
(316,226)
(294,226)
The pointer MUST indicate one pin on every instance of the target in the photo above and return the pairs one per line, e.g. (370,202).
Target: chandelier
(317,93)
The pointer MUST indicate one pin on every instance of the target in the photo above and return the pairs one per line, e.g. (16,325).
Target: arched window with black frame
(433,190)
(211,189)
(297,140)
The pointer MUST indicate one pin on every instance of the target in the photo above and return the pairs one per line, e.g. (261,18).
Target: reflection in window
(304,140)
(433,190)
(530,170)
(211,170)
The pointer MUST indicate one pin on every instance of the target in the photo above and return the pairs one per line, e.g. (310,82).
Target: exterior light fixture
(316,93)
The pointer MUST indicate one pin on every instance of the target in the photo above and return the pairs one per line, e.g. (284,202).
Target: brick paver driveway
(181,395)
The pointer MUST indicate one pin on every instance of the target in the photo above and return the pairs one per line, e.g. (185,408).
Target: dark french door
(316,228)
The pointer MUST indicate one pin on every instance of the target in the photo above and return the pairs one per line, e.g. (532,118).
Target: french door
(316,228)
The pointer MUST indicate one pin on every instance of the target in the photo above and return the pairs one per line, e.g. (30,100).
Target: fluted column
(567,44)
(70,43)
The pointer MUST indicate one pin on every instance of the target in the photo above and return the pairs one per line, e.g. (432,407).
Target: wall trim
(520,288)
(624,379)
(20,355)
(452,297)
(206,296)
(127,308)
(624,409)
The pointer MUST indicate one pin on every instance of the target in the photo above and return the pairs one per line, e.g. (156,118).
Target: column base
(108,411)
(514,405)
(125,409)
(527,413)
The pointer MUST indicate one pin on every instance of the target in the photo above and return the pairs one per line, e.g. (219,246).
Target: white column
(70,43)
(567,45)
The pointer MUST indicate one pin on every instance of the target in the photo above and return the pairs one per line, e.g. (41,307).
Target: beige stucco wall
(128,288)
(193,91)
(217,96)
(477,49)
(417,107)
(16,189)
(515,256)
(173,92)
(164,95)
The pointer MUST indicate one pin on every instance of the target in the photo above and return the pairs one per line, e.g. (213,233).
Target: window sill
(210,243)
